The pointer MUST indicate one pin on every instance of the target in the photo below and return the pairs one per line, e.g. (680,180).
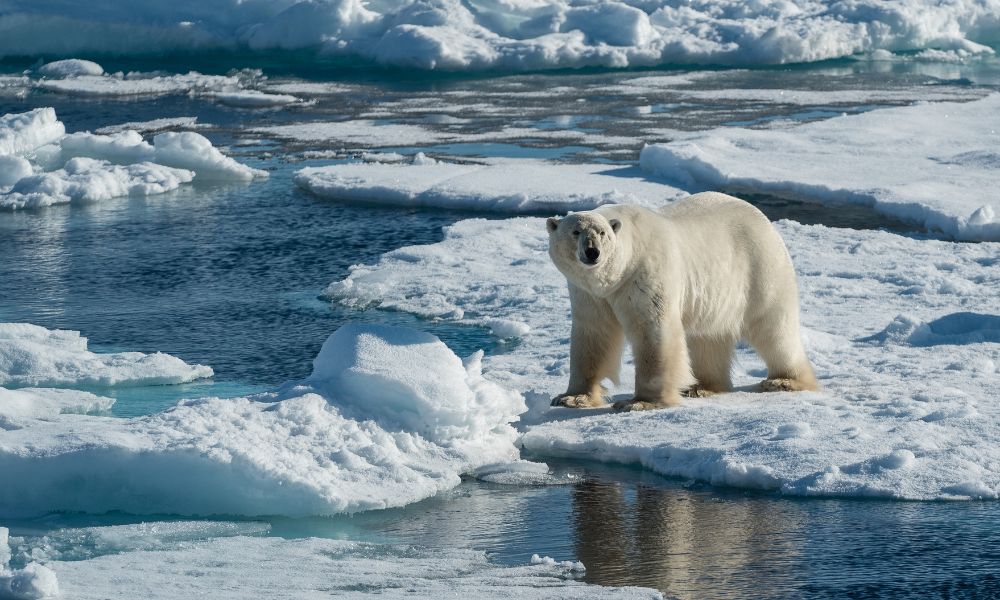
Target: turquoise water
(231,277)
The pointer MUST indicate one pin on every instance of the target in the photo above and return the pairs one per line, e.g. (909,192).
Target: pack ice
(509,34)
(903,333)
(932,164)
(165,560)
(389,416)
(41,165)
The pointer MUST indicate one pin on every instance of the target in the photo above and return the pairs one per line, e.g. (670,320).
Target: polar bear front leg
(595,352)
(662,367)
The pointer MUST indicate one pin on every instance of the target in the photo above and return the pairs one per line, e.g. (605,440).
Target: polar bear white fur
(683,284)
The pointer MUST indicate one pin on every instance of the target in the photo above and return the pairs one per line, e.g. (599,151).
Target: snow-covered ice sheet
(35,356)
(141,84)
(510,186)
(249,567)
(373,133)
(389,416)
(40,165)
(931,164)
(518,35)
(902,333)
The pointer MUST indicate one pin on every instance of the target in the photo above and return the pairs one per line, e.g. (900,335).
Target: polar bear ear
(552,223)
(616,225)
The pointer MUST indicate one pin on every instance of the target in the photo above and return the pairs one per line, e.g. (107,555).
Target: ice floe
(509,186)
(931,164)
(898,416)
(33,356)
(40,165)
(140,84)
(389,416)
(323,568)
(19,406)
(453,35)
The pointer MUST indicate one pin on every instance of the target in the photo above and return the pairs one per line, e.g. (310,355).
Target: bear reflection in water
(681,544)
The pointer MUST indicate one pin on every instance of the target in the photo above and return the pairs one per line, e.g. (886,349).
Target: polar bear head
(585,247)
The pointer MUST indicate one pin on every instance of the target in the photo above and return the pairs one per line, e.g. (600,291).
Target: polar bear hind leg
(778,342)
(711,363)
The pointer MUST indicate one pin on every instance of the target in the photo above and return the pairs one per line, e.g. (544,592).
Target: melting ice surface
(902,326)
(388,417)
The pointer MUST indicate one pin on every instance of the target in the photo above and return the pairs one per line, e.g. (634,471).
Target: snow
(35,356)
(247,567)
(927,163)
(507,186)
(522,35)
(31,582)
(72,67)
(18,407)
(22,133)
(40,165)
(13,168)
(388,417)
(908,415)
(88,180)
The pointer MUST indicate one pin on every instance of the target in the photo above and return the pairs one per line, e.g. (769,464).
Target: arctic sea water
(231,276)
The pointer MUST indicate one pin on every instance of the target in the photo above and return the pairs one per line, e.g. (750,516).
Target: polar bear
(683,284)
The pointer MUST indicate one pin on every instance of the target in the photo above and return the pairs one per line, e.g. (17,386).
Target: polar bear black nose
(592,254)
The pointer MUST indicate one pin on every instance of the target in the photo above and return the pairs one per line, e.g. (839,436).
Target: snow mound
(40,165)
(454,35)
(506,186)
(437,396)
(71,67)
(324,568)
(893,420)
(34,356)
(388,417)
(927,163)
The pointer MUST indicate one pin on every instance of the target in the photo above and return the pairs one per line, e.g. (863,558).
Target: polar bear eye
(576,233)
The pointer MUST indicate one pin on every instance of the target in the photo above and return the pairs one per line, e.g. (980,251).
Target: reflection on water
(688,540)
(680,543)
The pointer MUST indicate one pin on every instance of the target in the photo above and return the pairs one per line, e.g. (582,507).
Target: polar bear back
(719,254)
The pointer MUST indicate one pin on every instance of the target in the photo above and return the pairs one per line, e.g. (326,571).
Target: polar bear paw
(578,401)
(697,391)
(782,384)
(635,405)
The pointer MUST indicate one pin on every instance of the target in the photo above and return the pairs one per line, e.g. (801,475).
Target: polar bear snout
(590,256)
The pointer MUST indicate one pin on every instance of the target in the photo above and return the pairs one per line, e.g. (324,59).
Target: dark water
(230,277)
(224,276)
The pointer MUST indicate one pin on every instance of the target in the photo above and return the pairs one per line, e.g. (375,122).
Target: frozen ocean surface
(170,419)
